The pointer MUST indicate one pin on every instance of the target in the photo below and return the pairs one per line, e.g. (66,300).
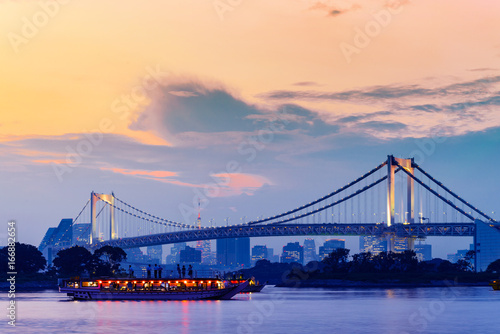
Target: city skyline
(253,110)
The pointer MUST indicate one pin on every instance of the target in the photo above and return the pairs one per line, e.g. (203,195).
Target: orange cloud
(50,161)
(231,184)
(153,174)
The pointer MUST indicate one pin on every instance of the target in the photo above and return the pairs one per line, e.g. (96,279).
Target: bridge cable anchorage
(320,199)
(450,203)
(165,221)
(453,194)
(359,191)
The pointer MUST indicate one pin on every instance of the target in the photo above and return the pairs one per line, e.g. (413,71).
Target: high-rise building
(81,233)
(401,244)
(56,239)
(155,253)
(190,255)
(226,252)
(203,245)
(309,251)
(258,253)
(135,255)
(271,257)
(329,246)
(242,247)
(175,252)
(293,252)
(233,252)
(424,252)
(372,244)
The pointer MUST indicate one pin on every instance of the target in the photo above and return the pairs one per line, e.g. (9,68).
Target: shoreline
(30,286)
(337,283)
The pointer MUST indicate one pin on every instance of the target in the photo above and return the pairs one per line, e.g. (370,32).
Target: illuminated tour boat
(253,286)
(149,289)
(495,284)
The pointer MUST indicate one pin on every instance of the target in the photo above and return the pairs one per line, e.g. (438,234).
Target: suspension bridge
(395,199)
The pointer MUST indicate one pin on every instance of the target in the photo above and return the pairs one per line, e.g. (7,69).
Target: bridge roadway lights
(399,230)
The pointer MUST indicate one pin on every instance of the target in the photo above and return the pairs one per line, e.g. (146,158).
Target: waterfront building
(487,245)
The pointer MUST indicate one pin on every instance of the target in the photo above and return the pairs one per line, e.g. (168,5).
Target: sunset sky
(155,101)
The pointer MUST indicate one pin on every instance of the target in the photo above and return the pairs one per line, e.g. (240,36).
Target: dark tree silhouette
(337,260)
(107,260)
(28,259)
(362,263)
(494,267)
(73,261)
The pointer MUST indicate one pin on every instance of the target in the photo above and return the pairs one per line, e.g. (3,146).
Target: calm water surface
(274,310)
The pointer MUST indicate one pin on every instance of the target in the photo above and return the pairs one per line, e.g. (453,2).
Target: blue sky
(262,98)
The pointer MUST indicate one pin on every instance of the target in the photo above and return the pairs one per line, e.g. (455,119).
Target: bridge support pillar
(392,164)
(110,200)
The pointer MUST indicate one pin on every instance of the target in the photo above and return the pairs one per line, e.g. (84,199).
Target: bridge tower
(392,165)
(110,200)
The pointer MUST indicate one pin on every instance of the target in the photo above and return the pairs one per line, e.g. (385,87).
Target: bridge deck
(401,230)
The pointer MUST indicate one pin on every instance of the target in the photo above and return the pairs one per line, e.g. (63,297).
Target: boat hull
(97,294)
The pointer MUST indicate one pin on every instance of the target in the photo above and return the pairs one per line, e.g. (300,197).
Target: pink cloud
(156,174)
(50,161)
(240,183)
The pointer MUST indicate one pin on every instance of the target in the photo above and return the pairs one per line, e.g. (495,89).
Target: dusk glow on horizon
(254,107)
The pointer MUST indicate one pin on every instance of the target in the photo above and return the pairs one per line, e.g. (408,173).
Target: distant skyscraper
(372,244)
(424,252)
(329,246)
(242,247)
(309,251)
(135,255)
(175,252)
(226,252)
(203,245)
(155,253)
(233,252)
(258,253)
(191,255)
(56,239)
(292,252)
(401,244)
(81,233)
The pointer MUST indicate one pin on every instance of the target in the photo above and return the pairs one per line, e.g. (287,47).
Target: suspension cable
(320,199)
(450,203)
(453,194)
(334,203)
